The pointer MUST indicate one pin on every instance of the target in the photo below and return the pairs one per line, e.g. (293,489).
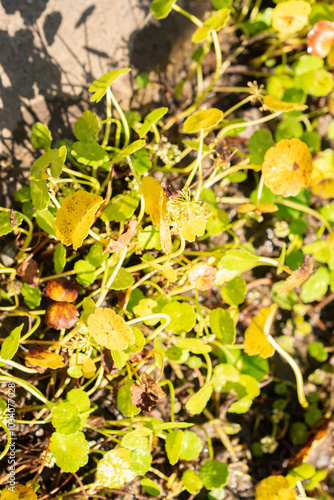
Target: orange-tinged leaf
(264,208)
(46,360)
(287,167)
(151,190)
(298,276)
(109,329)
(202,276)
(275,488)
(291,16)
(75,217)
(20,492)
(256,341)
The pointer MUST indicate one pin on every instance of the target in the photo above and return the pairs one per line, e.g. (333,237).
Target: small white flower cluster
(167,152)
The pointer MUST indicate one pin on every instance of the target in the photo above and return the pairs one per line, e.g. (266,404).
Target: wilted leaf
(202,276)
(320,39)
(123,239)
(287,167)
(18,492)
(298,276)
(61,315)
(109,329)
(265,208)
(151,190)
(167,271)
(63,289)
(46,360)
(255,338)
(29,271)
(75,217)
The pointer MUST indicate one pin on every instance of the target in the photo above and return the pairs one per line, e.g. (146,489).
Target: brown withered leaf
(152,386)
(63,289)
(135,357)
(96,421)
(298,276)
(148,395)
(202,276)
(123,239)
(28,271)
(108,363)
(61,315)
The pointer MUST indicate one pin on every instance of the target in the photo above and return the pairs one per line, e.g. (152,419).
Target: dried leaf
(75,217)
(202,276)
(123,239)
(320,39)
(151,191)
(287,167)
(264,208)
(61,315)
(109,329)
(29,271)
(298,276)
(255,337)
(167,271)
(275,488)
(45,360)
(152,386)
(20,493)
(63,289)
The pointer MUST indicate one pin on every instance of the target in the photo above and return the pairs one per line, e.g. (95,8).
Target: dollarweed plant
(167,319)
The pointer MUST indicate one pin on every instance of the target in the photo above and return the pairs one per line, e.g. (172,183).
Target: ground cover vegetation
(167,318)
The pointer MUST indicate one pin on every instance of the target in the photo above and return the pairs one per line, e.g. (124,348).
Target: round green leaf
(11,343)
(182,317)
(222,325)
(198,401)
(70,452)
(258,144)
(192,445)
(318,351)
(150,487)
(65,418)
(316,286)
(222,374)
(87,127)
(234,291)
(173,445)
(141,460)
(136,439)
(192,482)
(196,346)
(124,400)
(213,474)
(80,399)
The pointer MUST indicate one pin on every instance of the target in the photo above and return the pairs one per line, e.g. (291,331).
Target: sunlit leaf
(287,167)
(167,271)
(151,119)
(222,325)
(70,451)
(87,127)
(291,16)
(46,221)
(86,364)
(89,153)
(191,481)
(99,87)
(39,194)
(198,401)
(238,260)
(173,446)
(9,221)
(215,22)
(255,338)
(277,105)
(322,180)
(203,119)
(192,445)
(121,208)
(124,400)
(161,8)
(46,359)
(40,136)
(54,158)
(75,217)
(316,286)
(213,474)
(182,317)
(275,488)
(234,291)
(109,329)
(141,460)
(151,190)
(11,343)
(129,150)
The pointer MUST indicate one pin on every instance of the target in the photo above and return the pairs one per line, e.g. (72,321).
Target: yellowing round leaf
(277,105)
(75,217)
(151,190)
(114,470)
(287,167)
(109,329)
(256,341)
(275,488)
(203,119)
(167,271)
(192,225)
(290,17)
(21,492)
(46,360)
(322,180)
(84,362)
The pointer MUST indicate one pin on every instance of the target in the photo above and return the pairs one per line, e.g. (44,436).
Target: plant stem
(191,17)
(108,120)
(123,119)
(172,397)
(105,291)
(307,210)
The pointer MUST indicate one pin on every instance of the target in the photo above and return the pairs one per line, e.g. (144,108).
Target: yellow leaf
(75,217)
(46,360)
(167,271)
(290,17)
(277,105)
(109,329)
(192,225)
(264,208)
(256,341)
(84,362)
(20,493)
(275,488)
(322,180)
(151,190)
(203,119)
(287,167)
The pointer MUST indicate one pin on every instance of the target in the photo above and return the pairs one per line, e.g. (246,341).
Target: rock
(51,50)
(8,254)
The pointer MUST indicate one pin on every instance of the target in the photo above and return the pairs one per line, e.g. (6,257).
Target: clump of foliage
(149,322)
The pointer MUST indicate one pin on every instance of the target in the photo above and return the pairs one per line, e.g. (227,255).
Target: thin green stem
(307,210)
(191,17)
(123,119)
(9,440)
(27,386)
(172,397)
(105,291)
(108,120)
